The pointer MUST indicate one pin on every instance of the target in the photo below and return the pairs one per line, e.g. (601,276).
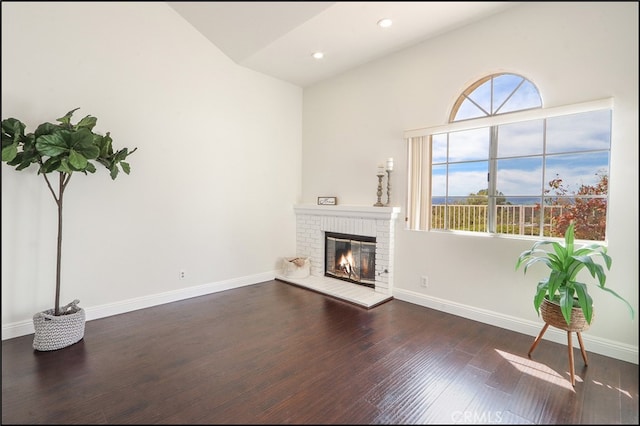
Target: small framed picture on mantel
(327,201)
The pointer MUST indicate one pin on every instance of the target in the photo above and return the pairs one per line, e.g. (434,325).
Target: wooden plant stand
(552,315)
(569,347)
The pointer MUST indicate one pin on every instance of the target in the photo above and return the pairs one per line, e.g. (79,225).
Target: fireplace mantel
(312,221)
(369,212)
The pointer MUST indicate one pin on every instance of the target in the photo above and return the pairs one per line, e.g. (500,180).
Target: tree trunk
(59,246)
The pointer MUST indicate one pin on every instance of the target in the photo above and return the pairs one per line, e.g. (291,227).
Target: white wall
(573,52)
(212,184)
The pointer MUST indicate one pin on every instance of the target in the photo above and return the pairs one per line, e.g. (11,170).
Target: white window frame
(419,153)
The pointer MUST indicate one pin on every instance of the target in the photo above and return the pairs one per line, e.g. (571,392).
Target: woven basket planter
(58,331)
(552,314)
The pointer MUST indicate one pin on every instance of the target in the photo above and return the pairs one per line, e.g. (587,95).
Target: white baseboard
(23,328)
(597,345)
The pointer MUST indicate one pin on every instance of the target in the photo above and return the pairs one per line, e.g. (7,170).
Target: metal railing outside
(517,219)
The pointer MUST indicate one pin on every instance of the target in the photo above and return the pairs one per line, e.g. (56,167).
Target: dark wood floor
(273,353)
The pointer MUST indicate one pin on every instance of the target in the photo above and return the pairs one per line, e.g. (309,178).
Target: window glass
(469,145)
(526,97)
(520,176)
(577,170)
(518,139)
(469,110)
(482,97)
(528,177)
(439,148)
(439,183)
(504,87)
(579,132)
(467,178)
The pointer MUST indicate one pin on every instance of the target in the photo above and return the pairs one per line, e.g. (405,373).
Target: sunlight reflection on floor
(622,392)
(536,369)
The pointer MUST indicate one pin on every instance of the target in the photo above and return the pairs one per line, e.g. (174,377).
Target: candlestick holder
(388,187)
(379,203)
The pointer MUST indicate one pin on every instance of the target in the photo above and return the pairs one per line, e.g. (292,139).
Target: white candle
(390,164)
(380,169)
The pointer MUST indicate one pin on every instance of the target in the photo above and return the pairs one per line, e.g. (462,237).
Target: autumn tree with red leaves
(586,208)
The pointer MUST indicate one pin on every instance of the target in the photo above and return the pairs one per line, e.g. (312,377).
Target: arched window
(496,94)
(505,165)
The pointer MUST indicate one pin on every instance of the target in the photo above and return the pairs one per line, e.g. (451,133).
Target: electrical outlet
(183,274)
(424,281)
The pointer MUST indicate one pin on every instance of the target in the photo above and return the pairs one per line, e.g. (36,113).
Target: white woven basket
(58,331)
(296,267)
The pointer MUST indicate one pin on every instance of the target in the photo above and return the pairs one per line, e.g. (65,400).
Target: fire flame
(346,263)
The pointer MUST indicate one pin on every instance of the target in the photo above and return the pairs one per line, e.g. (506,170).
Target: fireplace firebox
(351,258)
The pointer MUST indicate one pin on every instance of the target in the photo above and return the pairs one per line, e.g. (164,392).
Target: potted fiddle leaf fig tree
(61,149)
(561,291)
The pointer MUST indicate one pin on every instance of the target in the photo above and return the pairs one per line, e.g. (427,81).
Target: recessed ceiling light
(385,23)
(318,55)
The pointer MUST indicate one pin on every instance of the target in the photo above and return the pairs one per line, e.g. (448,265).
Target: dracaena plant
(63,149)
(565,261)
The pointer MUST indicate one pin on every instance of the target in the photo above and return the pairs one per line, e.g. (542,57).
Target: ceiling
(278,38)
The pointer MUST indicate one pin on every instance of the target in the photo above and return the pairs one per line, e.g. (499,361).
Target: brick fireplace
(312,222)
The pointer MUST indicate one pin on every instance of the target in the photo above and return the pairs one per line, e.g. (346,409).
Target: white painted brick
(310,229)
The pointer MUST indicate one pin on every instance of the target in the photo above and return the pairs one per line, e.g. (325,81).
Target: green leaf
(556,281)
(66,119)
(585,301)
(82,142)
(125,167)
(9,152)
(51,165)
(87,122)
(12,131)
(29,154)
(540,294)
(568,240)
(20,164)
(595,269)
(55,144)
(566,303)
(77,160)
(104,143)
(47,129)
(65,167)
(121,155)
(629,307)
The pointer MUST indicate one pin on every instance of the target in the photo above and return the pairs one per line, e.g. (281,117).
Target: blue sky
(577,148)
